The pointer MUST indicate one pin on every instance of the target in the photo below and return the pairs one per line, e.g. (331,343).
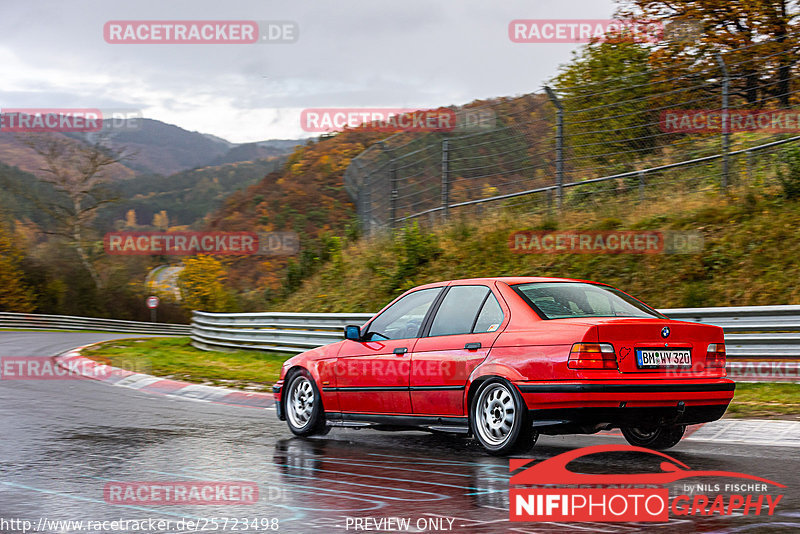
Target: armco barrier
(272,331)
(769,332)
(763,342)
(66,322)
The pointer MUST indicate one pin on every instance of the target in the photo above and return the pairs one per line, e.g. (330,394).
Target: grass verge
(766,400)
(749,255)
(176,358)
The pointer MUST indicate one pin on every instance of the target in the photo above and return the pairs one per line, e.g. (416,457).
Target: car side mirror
(352,332)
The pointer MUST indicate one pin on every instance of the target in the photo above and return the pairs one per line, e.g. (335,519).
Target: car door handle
(473,346)
(400,351)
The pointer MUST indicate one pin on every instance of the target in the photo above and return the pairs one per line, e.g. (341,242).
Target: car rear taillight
(592,356)
(715,356)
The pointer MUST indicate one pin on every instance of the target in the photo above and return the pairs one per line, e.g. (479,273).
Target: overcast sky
(350,53)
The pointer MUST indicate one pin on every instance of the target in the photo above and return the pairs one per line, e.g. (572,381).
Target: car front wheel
(658,437)
(499,418)
(303,405)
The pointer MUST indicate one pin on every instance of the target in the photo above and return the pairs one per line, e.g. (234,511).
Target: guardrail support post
(445,178)
(726,131)
(559,146)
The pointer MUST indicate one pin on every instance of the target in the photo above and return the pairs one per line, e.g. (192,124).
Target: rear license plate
(658,358)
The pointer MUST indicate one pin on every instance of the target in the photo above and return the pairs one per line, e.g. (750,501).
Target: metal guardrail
(750,331)
(67,322)
(763,342)
(270,331)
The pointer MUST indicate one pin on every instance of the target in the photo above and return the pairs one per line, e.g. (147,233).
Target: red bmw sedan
(507,359)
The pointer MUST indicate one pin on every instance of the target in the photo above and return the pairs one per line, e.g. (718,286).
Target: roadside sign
(152,302)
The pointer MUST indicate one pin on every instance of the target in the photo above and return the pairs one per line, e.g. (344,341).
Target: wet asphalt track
(61,441)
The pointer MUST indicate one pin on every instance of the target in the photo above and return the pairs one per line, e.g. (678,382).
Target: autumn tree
(130,219)
(760,40)
(15,296)
(77,171)
(161,220)
(202,285)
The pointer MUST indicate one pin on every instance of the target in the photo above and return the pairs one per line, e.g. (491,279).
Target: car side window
(490,317)
(458,310)
(403,319)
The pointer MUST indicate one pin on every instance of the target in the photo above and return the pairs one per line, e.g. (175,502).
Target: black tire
(302,404)
(498,418)
(657,437)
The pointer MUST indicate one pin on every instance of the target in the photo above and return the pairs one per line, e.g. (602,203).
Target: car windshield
(560,300)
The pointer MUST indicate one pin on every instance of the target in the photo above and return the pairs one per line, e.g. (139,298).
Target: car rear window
(561,300)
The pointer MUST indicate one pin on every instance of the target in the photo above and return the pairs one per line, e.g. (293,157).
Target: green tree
(605,91)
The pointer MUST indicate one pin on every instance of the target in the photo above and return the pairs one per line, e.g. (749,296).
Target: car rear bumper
(627,402)
(591,420)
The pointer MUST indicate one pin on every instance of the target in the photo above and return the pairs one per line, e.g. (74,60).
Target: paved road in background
(63,440)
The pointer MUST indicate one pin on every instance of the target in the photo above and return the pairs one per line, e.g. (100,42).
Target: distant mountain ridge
(253,151)
(155,147)
(161,148)
(187,174)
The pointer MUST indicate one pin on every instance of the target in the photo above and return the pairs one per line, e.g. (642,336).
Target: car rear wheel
(499,418)
(657,437)
(303,405)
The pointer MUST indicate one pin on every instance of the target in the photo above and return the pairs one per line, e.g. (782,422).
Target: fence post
(641,186)
(559,146)
(363,208)
(368,202)
(445,178)
(392,186)
(749,156)
(726,133)
(393,196)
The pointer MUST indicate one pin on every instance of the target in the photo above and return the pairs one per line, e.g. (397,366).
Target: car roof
(510,280)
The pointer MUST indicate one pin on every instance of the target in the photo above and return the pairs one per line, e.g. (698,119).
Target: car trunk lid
(658,346)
